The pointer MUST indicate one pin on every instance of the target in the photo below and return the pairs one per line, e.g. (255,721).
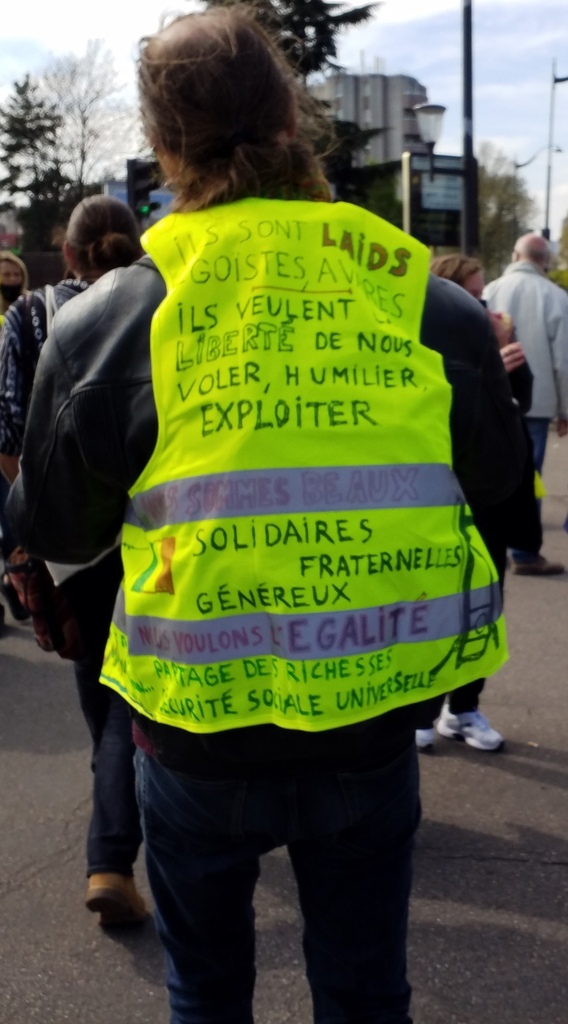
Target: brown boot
(116,899)
(538,566)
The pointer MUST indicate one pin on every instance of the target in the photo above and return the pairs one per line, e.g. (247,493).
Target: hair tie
(228,145)
(236,138)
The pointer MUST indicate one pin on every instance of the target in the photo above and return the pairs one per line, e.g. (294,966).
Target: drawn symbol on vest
(157,578)
(478,620)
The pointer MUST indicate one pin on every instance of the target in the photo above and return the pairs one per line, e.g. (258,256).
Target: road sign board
(433,201)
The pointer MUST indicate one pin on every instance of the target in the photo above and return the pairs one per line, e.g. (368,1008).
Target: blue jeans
(538,427)
(350,839)
(114,834)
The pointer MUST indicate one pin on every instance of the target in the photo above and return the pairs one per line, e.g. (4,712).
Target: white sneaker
(470,726)
(425,739)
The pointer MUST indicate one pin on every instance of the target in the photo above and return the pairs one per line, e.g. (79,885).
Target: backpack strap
(30,344)
(50,307)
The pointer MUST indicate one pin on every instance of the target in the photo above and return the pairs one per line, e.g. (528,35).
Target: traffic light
(142,176)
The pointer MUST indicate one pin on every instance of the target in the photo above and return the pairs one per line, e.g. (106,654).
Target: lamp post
(551,149)
(470,230)
(525,163)
(430,117)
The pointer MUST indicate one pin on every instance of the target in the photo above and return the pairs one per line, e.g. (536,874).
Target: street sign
(433,203)
(162,196)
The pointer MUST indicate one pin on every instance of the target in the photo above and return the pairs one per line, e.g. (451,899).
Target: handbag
(54,623)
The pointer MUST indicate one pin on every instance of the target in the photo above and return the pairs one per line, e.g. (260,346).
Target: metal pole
(546,228)
(516,168)
(551,149)
(470,227)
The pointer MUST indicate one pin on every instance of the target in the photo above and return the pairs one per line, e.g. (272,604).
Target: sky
(515,44)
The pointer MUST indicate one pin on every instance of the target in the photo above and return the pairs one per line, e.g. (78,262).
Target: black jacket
(92,426)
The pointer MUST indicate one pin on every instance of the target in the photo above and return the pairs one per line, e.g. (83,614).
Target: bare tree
(505,208)
(88,97)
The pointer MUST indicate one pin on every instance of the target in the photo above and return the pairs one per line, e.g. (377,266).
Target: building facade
(377,101)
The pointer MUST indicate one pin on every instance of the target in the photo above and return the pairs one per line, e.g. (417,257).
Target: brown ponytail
(104,235)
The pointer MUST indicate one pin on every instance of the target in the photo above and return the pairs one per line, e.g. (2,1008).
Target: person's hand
(502,324)
(512,356)
(562,426)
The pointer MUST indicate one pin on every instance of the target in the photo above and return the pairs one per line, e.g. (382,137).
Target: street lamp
(470,223)
(517,167)
(525,163)
(555,81)
(430,117)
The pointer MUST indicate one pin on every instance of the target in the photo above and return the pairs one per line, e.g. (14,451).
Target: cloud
(515,42)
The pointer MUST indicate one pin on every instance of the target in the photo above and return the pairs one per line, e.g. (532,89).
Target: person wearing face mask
(13,280)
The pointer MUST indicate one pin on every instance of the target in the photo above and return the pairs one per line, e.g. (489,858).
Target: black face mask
(10,292)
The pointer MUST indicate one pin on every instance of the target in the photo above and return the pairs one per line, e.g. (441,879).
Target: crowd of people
(279,487)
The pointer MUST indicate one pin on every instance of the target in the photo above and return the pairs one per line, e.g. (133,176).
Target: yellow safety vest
(297,550)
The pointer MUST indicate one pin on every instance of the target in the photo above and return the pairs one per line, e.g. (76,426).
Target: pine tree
(310,29)
(33,177)
(307,29)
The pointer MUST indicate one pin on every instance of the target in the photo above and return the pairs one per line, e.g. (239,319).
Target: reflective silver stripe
(258,492)
(312,636)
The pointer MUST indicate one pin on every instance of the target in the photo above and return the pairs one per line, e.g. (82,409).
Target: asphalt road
(489,915)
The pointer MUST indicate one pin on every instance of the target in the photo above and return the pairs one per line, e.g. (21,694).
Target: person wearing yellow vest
(279,420)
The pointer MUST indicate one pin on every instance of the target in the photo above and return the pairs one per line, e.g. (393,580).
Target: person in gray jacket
(539,309)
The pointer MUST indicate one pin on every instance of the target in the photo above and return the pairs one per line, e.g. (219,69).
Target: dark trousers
(8,543)
(349,837)
(115,834)
(537,430)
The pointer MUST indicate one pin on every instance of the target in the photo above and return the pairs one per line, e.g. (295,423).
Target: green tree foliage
(33,180)
(351,182)
(505,209)
(307,29)
(381,192)
(58,137)
(563,245)
(310,29)
(560,277)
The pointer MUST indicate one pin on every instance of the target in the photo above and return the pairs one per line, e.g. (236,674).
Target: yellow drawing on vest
(157,578)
